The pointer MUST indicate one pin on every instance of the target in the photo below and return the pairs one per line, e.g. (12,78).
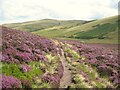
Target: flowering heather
(25,68)
(104,59)
(19,46)
(23,56)
(54,78)
(22,48)
(10,82)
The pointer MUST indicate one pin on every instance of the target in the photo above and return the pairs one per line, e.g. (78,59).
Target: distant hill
(99,31)
(96,31)
(43,24)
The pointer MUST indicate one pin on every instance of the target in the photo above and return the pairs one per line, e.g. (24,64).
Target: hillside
(43,24)
(26,59)
(99,31)
(32,61)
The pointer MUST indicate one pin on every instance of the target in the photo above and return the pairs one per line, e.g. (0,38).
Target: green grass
(14,70)
(98,32)
(33,26)
(95,40)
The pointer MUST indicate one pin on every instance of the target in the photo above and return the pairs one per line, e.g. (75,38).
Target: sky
(12,11)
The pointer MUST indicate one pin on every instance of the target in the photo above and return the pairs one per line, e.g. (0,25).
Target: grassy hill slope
(43,24)
(99,31)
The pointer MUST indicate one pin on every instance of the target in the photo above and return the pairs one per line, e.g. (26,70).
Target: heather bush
(71,53)
(19,47)
(23,57)
(25,68)
(54,78)
(10,82)
(79,81)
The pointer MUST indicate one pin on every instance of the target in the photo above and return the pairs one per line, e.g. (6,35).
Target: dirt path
(67,77)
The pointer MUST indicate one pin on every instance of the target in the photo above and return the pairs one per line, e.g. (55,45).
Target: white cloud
(25,10)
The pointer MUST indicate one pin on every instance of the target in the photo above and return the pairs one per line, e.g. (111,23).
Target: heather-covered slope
(92,66)
(31,61)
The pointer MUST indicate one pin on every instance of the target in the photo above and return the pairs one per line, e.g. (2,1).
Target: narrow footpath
(67,77)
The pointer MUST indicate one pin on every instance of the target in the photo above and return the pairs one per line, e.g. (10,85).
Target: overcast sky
(26,10)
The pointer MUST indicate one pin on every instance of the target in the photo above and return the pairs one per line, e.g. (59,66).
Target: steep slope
(43,24)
